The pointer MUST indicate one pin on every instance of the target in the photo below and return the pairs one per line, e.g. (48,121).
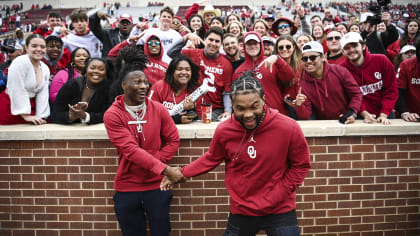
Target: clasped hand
(173,175)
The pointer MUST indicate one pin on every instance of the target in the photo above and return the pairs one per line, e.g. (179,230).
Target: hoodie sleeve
(191,11)
(170,135)
(284,71)
(127,145)
(115,50)
(210,160)
(95,26)
(352,90)
(390,88)
(305,110)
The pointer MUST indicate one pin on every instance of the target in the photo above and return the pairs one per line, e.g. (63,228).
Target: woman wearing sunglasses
(289,51)
(284,26)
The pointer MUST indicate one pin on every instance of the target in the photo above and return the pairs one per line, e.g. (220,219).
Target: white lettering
(415,81)
(168,105)
(371,88)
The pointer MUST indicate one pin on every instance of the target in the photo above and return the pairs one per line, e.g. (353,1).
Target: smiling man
(146,138)
(53,58)
(231,47)
(214,68)
(262,175)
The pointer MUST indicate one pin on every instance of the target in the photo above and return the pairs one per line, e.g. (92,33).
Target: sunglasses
(156,43)
(283,26)
(337,38)
(288,47)
(411,52)
(312,58)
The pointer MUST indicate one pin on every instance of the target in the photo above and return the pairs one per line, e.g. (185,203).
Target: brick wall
(357,186)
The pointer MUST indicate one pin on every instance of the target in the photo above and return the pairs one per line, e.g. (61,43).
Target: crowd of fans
(340,67)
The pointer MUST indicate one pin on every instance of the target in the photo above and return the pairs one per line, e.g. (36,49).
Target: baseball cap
(312,46)
(364,16)
(12,44)
(351,37)
(270,17)
(251,37)
(407,48)
(268,39)
(126,16)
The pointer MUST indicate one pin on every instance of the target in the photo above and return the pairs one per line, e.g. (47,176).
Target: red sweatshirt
(262,173)
(271,81)
(141,156)
(331,96)
(156,68)
(409,78)
(376,78)
(218,71)
(164,94)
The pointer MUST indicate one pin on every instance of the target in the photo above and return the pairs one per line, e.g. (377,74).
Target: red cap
(126,16)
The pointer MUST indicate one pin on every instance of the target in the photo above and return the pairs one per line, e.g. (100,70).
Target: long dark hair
(71,66)
(202,30)
(404,37)
(195,73)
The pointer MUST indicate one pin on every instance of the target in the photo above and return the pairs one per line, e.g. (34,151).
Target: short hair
(32,36)
(168,10)
(315,16)
(54,15)
(214,30)
(230,35)
(195,73)
(127,69)
(53,39)
(79,15)
(245,84)
(326,19)
(218,18)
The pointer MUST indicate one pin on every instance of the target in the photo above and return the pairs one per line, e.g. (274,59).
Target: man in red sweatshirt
(327,90)
(376,77)
(262,174)
(274,77)
(146,138)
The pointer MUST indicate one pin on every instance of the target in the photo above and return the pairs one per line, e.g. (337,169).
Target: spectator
(231,48)
(196,25)
(316,20)
(268,43)
(110,37)
(209,13)
(217,22)
(328,91)
(302,39)
(180,81)
(143,151)
(334,54)
(270,20)
(411,33)
(409,87)
(231,18)
(376,77)
(284,26)
(407,52)
(74,69)
(261,27)
(342,28)
(46,28)
(270,77)
(215,69)
(25,99)
(85,98)
(354,28)
(235,28)
(54,55)
(301,22)
(13,50)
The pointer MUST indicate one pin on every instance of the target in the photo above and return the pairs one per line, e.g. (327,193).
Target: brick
(326,221)
(20,153)
(384,226)
(326,157)
(362,180)
(349,140)
(34,225)
(362,148)
(390,187)
(338,149)
(340,213)
(338,196)
(70,201)
(200,143)
(373,203)
(386,179)
(20,185)
(408,209)
(350,157)
(350,220)
(363,164)
(46,201)
(55,144)
(410,147)
(408,163)
(339,165)
(80,161)
(362,211)
(105,225)
(315,197)
(373,140)
(386,147)
(94,233)
(326,173)
(314,213)
(408,194)
(80,144)
(350,173)
(361,196)
(305,190)
(44,169)
(314,229)
(333,181)
(111,153)
(102,144)
(338,228)
(55,161)
(81,177)
(308,182)
(319,166)
(44,185)
(396,171)
(395,218)
(81,225)
(93,153)
(350,188)
(304,206)
(56,177)
(44,153)
(68,169)
(81,209)
(397,155)
(317,149)
(396,139)
(386,164)
(325,205)
(374,156)
(325,141)
(68,152)
(349,204)
(373,172)
(33,193)
(385,210)
(57,193)
(384,195)
(326,189)
(363,227)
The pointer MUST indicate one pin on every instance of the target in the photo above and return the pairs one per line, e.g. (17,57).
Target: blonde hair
(296,55)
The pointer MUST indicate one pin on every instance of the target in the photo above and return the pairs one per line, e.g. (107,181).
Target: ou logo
(252,152)
(259,75)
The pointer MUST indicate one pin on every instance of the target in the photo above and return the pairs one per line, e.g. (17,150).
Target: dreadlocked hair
(246,83)
(132,55)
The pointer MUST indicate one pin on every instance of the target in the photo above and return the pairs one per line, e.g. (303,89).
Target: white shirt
(88,41)
(22,86)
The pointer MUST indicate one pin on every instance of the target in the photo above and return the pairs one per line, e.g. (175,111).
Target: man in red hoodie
(329,91)
(146,138)
(46,28)
(274,77)
(376,77)
(262,175)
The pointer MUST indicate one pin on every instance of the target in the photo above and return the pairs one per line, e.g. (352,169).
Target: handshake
(173,175)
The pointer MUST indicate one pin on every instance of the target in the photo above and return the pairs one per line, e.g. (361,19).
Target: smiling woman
(85,98)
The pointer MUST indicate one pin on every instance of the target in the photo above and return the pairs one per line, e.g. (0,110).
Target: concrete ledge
(198,130)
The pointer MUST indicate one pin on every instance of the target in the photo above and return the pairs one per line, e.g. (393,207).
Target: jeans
(132,208)
(284,224)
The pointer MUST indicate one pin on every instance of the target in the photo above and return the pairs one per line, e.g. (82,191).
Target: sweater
(142,157)
(377,81)
(409,79)
(88,41)
(271,81)
(262,173)
(330,96)
(58,81)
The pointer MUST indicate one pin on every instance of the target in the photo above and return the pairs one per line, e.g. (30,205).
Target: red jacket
(409,78)
(377,81)
(156,68)
(262,173)
(394,48)
(192,11)
(331,96)
(162,92)
(141,156)
(274,82)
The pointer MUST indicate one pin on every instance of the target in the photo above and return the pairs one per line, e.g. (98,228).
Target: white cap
(351,37)
(251,37)
(364,16)
(407,48)
(312,46)
(269,39)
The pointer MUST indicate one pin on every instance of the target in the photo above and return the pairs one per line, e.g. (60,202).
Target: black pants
(132,208)
(284,224)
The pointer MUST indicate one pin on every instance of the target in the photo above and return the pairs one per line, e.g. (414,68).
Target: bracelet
(405,113)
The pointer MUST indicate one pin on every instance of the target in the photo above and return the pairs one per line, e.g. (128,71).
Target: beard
(233,54)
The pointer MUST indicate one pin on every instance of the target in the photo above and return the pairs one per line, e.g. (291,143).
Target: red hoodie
(141,156)
(331,96)
(162,92)
(156,68)
(262,173)
(376,78)
(271,81)
(409,78)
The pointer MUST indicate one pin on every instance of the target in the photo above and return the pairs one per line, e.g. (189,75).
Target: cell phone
(191,115)
(288,99)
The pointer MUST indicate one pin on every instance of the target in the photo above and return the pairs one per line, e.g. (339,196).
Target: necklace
(137,113)
(89,87)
